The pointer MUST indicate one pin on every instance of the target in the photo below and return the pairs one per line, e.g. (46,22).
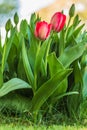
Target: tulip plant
(44,61)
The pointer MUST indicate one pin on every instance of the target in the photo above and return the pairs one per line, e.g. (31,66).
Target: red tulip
(58,21)
(42,30)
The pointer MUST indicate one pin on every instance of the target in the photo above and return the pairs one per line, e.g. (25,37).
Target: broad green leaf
(62,88)
(12,85)
(16,39)
(72,32)
(33,20)
(7,48)
(76,21)
(41,61)
(27,66)
(0,59)
(33,42)
(0,44)
(85,84)
(71,54)
(42,51)
(26,31)
(32,55)
(61,42)
(11,59)
(56,66)
(24,27)
(1,78)
(69,33)
(78,30)
(77,72)
(47,89)
(21,74)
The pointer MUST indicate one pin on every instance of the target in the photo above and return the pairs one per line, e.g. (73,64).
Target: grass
(24,123)
(56,121)
(53,127)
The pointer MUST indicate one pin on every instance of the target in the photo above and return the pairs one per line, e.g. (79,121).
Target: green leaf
(34,18)
(76,21)
(47,89)
(85,84)
(1,78)
(63,95)
(71,54)
(12,58)
(72,32)
(27,66)
(78,30)
(77,72)
(0,44)
(21,74)
(24,28)
(12,85)
(33,42)
(55,66)
(6,50)
(61,42)
(74,101)
(41,61)
(69,33)
(15,102)
(42,52)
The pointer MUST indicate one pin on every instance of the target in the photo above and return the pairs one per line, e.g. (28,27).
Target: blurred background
(45,9)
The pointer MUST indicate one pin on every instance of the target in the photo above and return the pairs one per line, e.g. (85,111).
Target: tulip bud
(58,21)
(16,18)
(8,25)
(42,30)
(72,10)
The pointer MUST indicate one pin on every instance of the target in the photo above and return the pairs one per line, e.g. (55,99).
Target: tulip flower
(58,21)
(42,30)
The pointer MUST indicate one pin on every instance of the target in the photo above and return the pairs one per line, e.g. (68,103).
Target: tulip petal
(58,21)
(62,22)
(49,29)
(42,30)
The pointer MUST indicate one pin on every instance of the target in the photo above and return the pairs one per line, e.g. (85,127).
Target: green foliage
(6,49)
(85,84)
(1,78)
(13,84)
(50,70)
(27,65)
(14,103)
(45,91)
